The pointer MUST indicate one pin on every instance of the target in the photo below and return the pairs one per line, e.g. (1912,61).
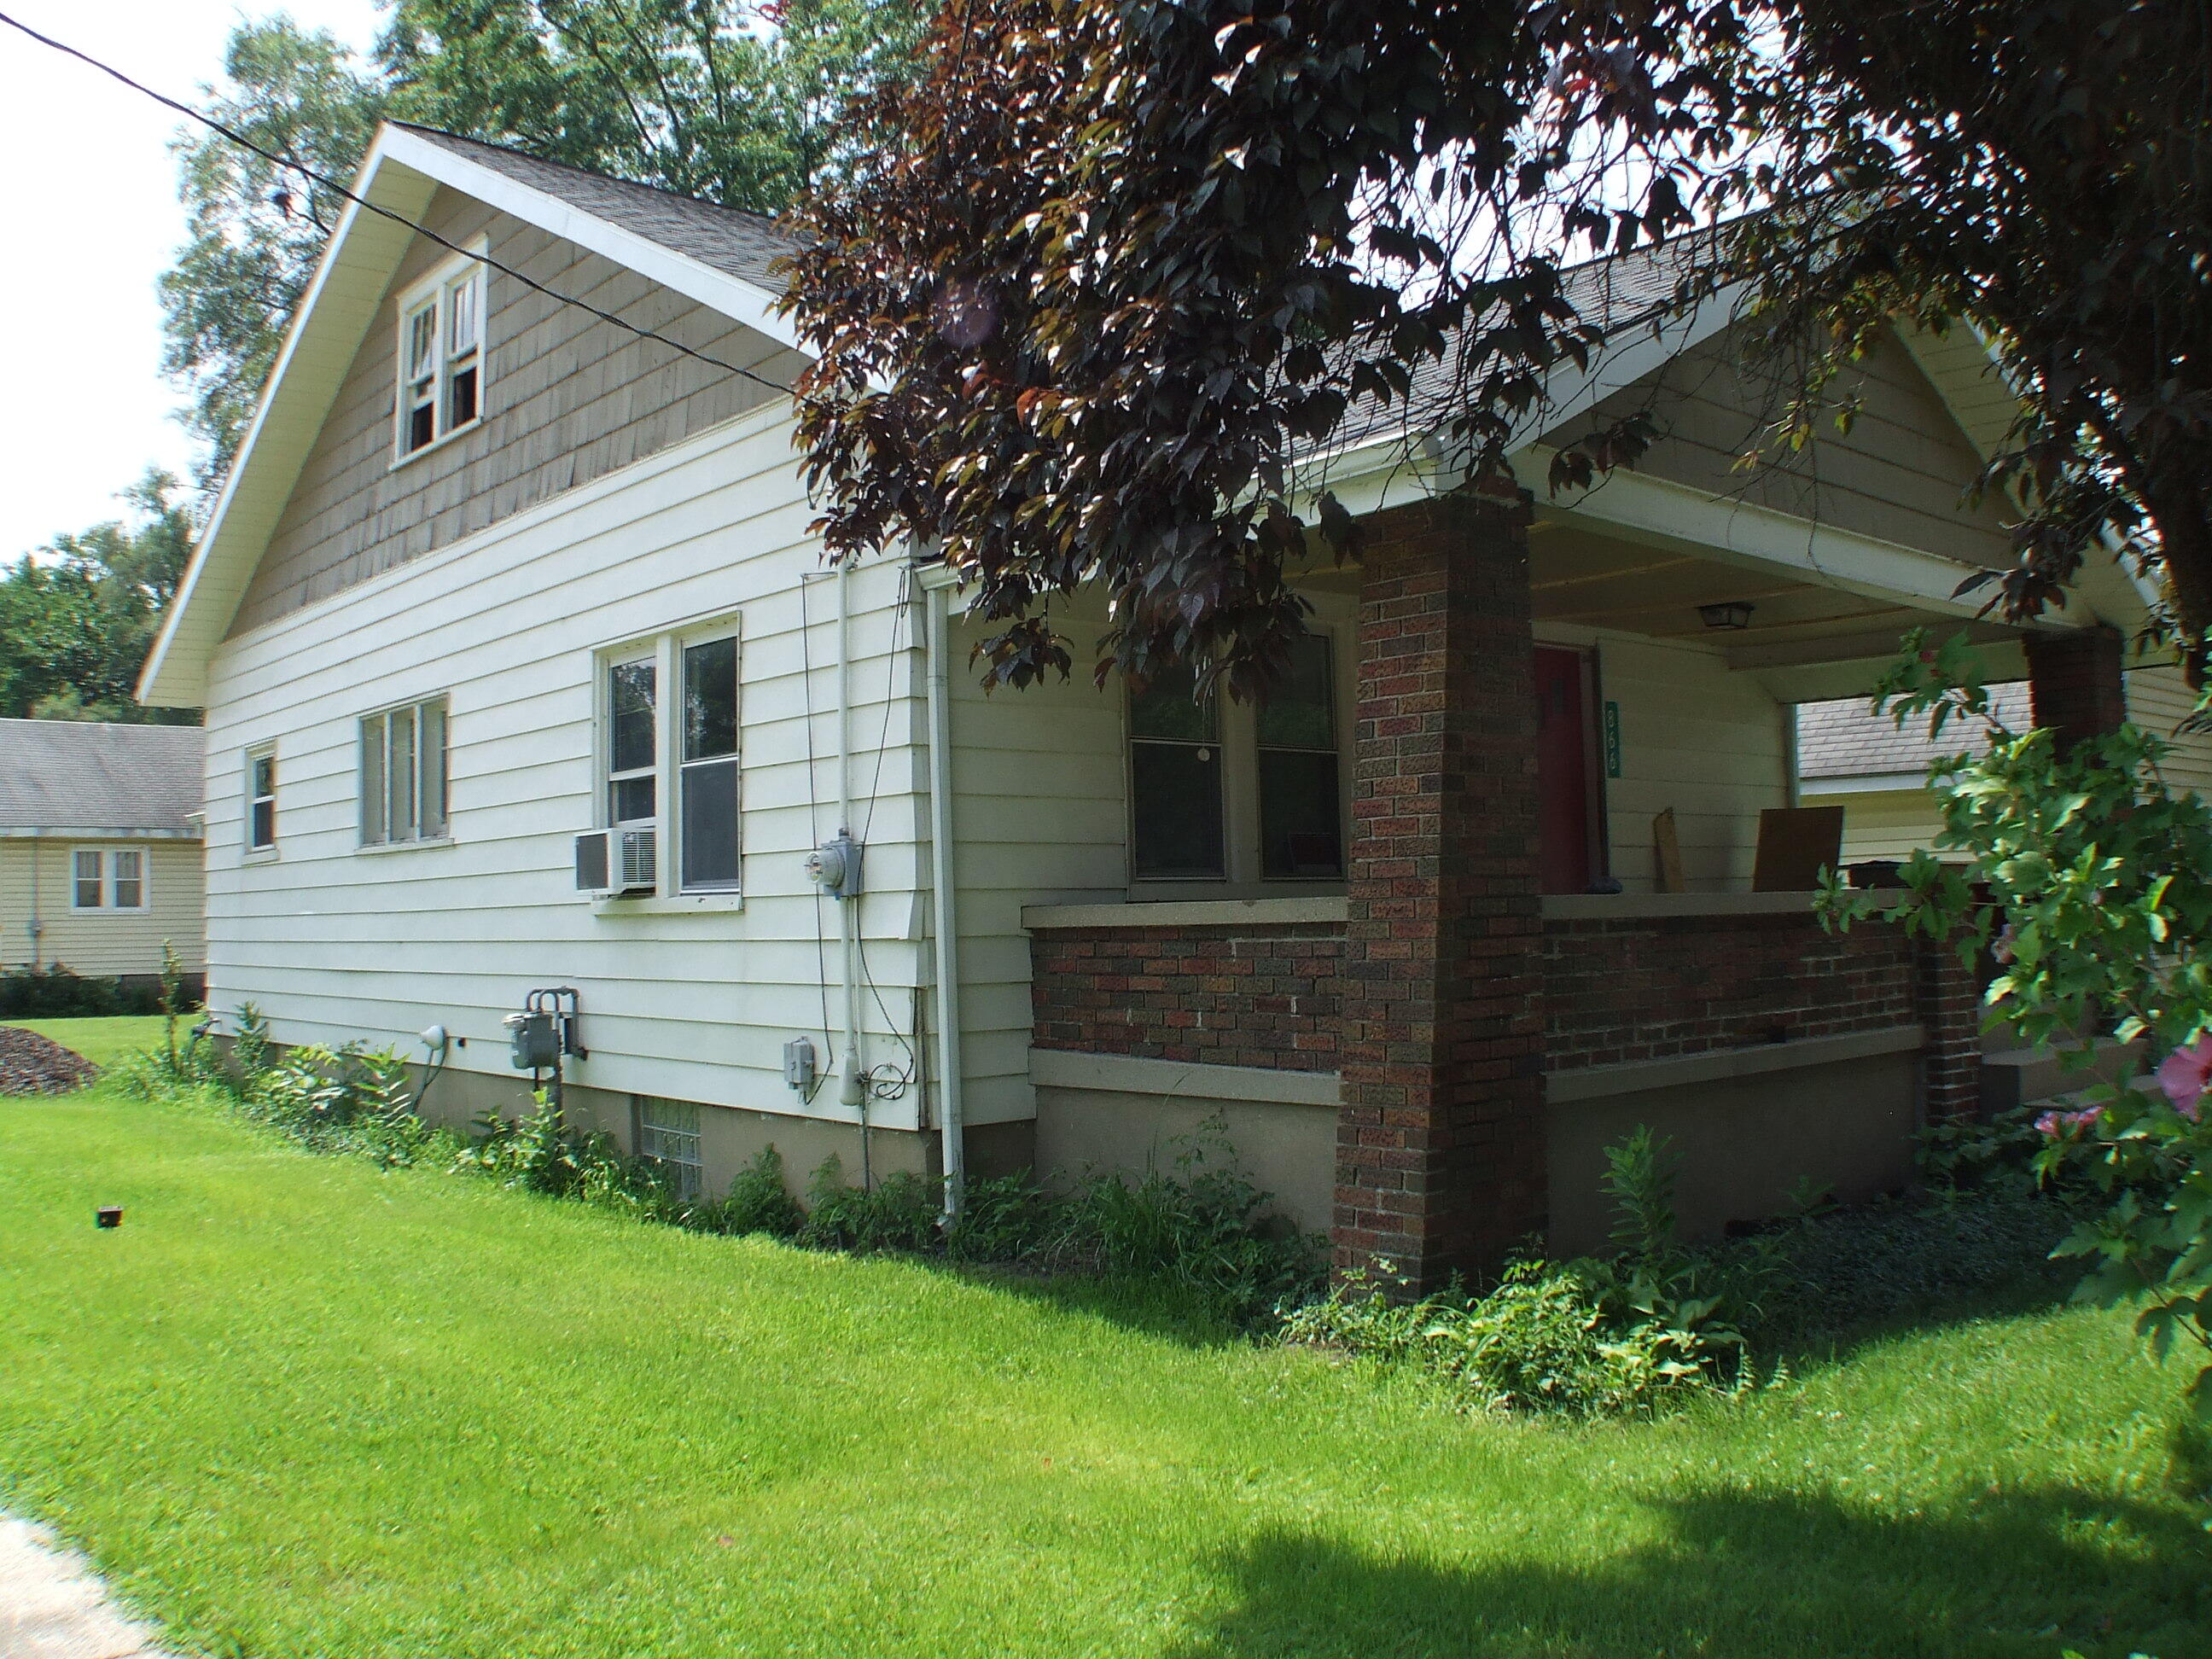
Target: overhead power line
(330,183)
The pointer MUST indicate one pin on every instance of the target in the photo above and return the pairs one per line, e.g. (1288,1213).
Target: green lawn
(302,1409)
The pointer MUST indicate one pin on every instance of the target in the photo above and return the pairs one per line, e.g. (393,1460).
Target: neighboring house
(522,672)
(1877,770)
(99,847)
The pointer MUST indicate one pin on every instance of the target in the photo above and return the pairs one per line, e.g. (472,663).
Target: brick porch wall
(1215,994)
(1623,989)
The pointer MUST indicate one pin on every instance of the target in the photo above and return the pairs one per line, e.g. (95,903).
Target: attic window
(441,355)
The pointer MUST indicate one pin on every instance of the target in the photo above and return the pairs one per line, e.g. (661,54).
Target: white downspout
(852,1087)
(944,897)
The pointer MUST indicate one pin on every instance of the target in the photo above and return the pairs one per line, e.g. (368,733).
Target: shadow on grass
(1749,1576)
(1804,1345)
(1152,1307)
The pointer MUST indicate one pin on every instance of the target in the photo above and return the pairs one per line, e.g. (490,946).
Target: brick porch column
(2074,682)
(1440,1141)
(1950,999)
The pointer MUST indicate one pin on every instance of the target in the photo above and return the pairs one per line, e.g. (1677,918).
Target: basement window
(403,773)
(442,370)
(668,1141)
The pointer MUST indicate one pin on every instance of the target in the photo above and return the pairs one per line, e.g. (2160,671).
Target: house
(100,847)
(1877,770)
(524,681)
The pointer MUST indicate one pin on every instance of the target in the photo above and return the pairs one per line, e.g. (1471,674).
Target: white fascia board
(1569,392)
(326,330)
(1398,467)
(1683,518)
(733,297)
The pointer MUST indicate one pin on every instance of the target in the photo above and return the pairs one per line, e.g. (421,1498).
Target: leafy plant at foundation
(1584,1337)
(2089,879)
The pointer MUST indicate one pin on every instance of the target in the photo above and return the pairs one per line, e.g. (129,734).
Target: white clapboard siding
(336,942)
(2159,700)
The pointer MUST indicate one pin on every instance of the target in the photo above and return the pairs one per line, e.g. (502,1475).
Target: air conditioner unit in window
(617,862)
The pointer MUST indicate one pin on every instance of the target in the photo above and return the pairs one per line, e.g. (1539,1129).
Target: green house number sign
(1613,740)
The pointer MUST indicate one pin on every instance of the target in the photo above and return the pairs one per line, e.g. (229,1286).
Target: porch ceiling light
(1731,613)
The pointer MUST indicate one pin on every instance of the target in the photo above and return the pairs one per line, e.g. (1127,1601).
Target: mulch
(31,1065)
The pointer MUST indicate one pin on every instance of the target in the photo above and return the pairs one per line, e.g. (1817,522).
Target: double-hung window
(442,371)
(107,879)
(403,773)
(1240,795)
(261,799)
(669,753)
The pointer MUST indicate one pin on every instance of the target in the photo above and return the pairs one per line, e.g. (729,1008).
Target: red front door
(1563,814)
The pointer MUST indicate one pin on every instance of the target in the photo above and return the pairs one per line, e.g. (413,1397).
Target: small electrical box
(799,1063)
(835,866)
(533,1041)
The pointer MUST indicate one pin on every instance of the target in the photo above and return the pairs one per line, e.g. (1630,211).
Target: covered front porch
(1424,1048)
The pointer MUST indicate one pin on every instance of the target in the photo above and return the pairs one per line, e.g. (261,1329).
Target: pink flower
(2184,1077)
(2056,1124)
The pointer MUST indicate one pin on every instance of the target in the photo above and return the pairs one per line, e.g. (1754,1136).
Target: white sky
(88,197)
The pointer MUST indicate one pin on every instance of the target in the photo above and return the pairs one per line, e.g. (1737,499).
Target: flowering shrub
(2089,880)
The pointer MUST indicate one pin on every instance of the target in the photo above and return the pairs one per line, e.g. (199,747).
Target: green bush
(899,1212)
(1585,1337)
(758,1201)
(58,992)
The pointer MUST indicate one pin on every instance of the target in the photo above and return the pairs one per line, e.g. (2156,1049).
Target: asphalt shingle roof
(84,775)
(1842,740)
(738,243)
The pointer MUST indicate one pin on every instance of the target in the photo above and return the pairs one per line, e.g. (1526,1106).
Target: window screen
(709,780)
(403,773)
(126,871)
(631,693)
(89,894)
(1300,831)
(1174,781)
(261,802)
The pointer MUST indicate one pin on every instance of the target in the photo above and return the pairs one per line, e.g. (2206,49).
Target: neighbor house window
(107,879)
(260,800)
(441,355)
(668,1141)
(1243,794)
(403,773)
(669,750)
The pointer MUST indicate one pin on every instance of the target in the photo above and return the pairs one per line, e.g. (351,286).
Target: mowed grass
(297,1407)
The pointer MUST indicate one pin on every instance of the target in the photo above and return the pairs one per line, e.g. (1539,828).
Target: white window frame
(665,652)
(251,848)
(1238,735)
(430,378)
(105,879)
(379,829)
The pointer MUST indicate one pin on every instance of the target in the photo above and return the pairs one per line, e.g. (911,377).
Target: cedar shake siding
(567,399)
